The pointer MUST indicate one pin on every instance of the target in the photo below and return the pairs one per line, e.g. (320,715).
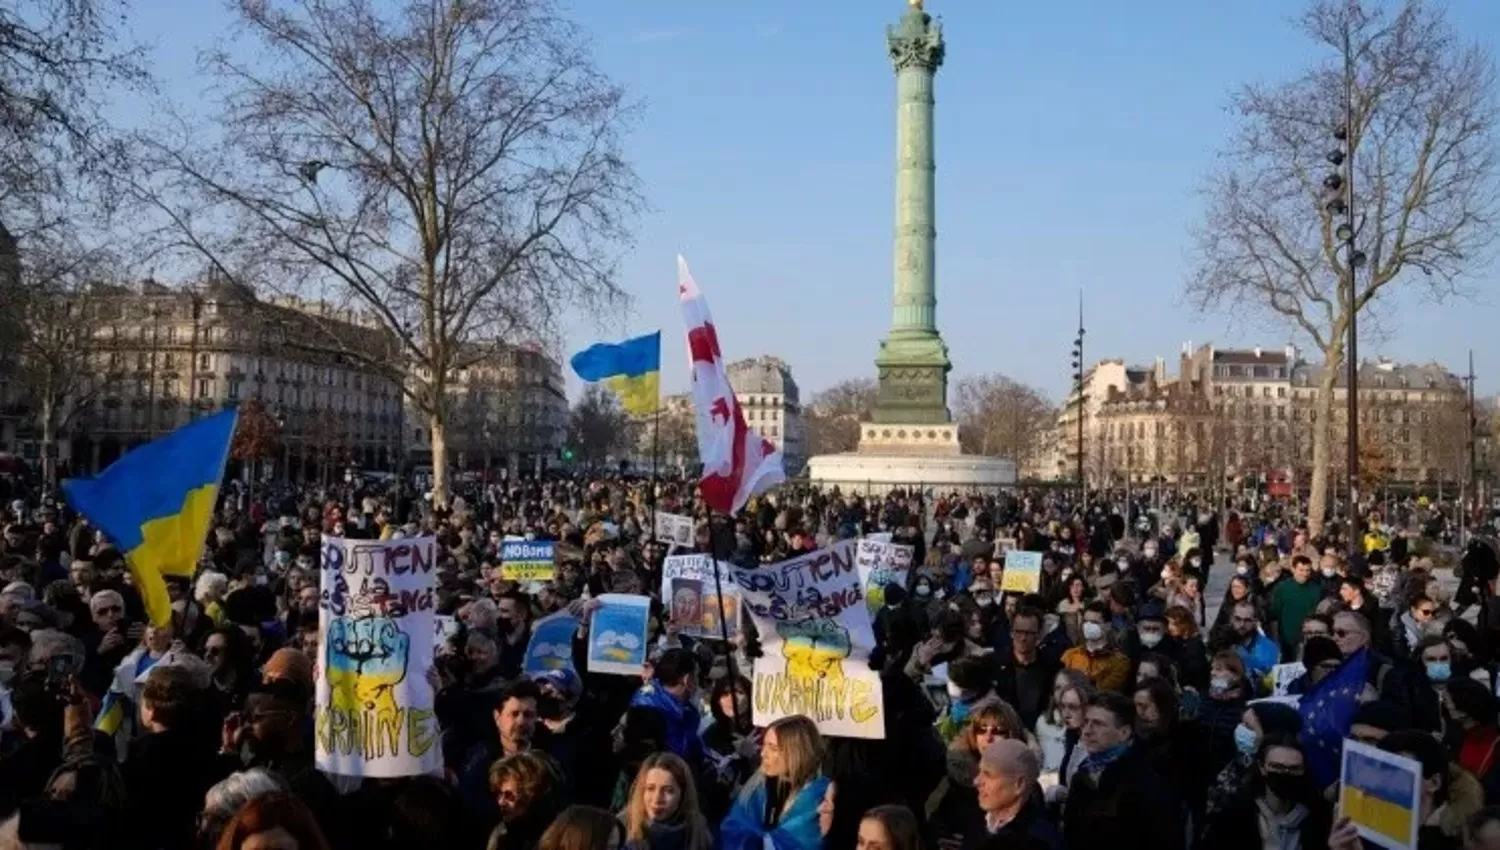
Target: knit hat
(1276,718)
(1319,649)
(289,664)
(1380,715)
(565,681)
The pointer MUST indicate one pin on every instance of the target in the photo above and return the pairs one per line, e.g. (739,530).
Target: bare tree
(1424,164)
(452,168)
(597,426)
(54,355)
(1000,416)
(830,422)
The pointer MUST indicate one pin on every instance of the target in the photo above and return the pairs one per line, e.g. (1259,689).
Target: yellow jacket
(1108,670)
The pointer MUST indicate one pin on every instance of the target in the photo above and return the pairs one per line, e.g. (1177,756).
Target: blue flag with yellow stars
(1327,711)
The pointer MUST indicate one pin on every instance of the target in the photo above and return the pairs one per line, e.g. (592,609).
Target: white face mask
(1093,631)
(955,693)
(1150,639)
(984,600)
(1149,553)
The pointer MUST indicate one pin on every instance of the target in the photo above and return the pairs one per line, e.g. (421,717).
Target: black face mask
(549,707)
(1286,786)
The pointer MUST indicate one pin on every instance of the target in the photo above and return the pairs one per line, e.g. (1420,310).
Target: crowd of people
(1104,708)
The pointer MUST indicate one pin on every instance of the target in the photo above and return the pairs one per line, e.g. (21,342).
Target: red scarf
(1477,754)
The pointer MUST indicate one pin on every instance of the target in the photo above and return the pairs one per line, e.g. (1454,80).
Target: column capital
(916,42)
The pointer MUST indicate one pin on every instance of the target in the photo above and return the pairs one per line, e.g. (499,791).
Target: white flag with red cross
(737,462)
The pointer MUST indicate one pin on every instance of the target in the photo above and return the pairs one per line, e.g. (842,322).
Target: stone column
(916,49)
(913,362)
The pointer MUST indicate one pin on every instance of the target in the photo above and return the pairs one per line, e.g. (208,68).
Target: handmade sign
(1004,546)
(527,560)
(445,627)
(551,646)
(674,530)
(881,563)
(374,709)
(816,640)
(617,634)
(1283,675)
(1380,793)
(1023,572)
(688,587)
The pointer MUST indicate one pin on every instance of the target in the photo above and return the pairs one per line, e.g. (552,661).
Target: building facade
(772,404)
(159,357)
(508,411)
(1248,417)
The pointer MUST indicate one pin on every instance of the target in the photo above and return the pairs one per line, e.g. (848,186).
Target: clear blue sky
(1070,140)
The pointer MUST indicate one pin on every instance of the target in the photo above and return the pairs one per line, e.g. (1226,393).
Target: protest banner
(816,639)
(674,530)
(1380,793)
(617,634)
(689,590)
(444,628)
(1283,675)
(528,560)
(374,711)
(879,564)
(1023,572)
(551,645)
(880,537)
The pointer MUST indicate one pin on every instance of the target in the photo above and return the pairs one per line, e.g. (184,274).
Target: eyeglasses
(109,609)
(1283,769)
(992,730)
(1426,612)
(1345,633)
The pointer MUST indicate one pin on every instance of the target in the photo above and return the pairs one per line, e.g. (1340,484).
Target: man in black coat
(1024,676)
(1115,799)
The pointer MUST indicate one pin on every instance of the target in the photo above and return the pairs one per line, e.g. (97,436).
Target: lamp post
(1338,202)
(1078,392)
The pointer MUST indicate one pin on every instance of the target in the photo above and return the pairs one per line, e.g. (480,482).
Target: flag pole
(719,542)
(655,442)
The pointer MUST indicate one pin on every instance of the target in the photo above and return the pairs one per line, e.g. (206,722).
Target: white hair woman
(224,800)
(210,592)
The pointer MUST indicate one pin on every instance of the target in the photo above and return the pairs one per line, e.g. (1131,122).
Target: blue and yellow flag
(631,368)
(156,504)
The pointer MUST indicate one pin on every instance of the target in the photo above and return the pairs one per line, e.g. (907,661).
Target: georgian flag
(737,463)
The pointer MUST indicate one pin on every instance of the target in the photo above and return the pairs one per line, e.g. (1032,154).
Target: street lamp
(1078,392)
(1338,203)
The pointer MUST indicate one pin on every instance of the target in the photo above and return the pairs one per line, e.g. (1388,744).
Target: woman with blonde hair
(992,719)
(663,812)
(583,828)
(780,804)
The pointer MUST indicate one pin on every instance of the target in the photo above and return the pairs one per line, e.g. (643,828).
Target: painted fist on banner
(367,659)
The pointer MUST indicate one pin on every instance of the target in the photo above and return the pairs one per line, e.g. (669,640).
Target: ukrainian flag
(156,504)
(631,368)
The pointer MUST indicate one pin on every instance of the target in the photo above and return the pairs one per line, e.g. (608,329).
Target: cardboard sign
(881,563)
(374,706)
(1023,572)
(1381,793)
(528,560)
(689,589)
(617,634)
(816,639)
(674,530)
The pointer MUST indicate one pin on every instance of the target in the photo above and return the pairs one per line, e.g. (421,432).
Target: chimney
(1160,373)
(1257,352)
(1184,349)
(1291,354)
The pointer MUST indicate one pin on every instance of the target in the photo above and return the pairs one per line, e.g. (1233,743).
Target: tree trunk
(438,434)
(1317,502)
(49,462)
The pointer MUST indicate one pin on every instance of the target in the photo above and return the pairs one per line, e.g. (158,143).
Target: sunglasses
(992,730)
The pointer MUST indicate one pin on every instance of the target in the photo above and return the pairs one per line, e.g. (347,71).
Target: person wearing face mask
(1260,722)
(1474,739)
(1098,657)
(1228,692)
(1447,797)
(1280,808)
(575,738)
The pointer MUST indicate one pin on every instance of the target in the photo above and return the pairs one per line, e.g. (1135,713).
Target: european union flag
(1327,711)
(631,368)
(156,504)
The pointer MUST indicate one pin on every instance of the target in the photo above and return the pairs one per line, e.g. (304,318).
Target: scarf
(1095,763)
(1285,829)
(797,829)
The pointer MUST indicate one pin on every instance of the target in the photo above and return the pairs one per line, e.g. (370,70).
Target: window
(205,362)
(204,386)
(774,432)
(234,389)
(1281,392)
